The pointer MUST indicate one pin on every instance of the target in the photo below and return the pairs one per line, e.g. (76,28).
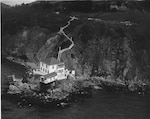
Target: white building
(52,70)
(50,65)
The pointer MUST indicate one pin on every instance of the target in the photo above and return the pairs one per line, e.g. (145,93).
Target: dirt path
(72,18)
(62,32)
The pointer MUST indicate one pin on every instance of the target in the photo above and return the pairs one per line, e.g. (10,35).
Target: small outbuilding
(49,78)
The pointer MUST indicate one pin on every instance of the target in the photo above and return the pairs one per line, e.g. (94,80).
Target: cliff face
(109,50)
(102,48)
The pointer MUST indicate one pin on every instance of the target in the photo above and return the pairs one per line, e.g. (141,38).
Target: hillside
(113,45)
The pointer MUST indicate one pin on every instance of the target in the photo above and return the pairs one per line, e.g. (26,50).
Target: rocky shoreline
(28,89)
(63,95)
(63,98)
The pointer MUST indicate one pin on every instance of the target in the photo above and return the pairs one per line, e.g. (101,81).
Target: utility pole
(59,54)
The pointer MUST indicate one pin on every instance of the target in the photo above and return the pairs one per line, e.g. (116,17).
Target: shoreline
(18,61)
(100,78)
(103,80)
(44,100)
(77,85)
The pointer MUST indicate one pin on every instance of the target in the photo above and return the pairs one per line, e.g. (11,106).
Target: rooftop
(50,75)
(51,61)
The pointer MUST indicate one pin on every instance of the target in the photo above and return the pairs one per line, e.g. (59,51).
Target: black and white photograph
(75,59)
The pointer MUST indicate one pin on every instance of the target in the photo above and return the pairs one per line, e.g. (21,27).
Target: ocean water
(101,104)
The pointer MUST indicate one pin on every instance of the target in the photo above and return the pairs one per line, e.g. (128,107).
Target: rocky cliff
(112,48)
(107,49)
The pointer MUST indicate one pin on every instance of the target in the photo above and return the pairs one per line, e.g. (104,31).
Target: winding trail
(72,18)
(62,32)
(127,23)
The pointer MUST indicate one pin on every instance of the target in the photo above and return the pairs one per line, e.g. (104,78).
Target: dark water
(101,104)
